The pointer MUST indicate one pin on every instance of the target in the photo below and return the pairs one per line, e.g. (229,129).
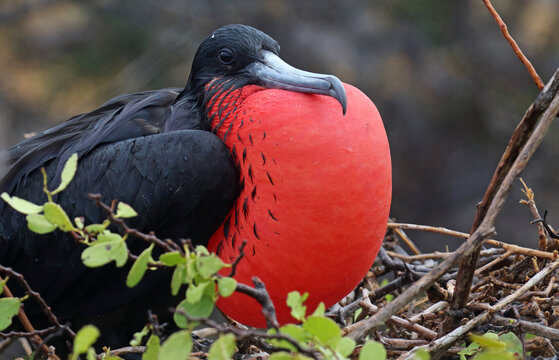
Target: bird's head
(234,56)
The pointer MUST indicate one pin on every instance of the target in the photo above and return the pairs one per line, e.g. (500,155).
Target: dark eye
(226,56)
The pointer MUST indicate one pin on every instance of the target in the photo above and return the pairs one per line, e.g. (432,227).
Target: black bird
(155,150)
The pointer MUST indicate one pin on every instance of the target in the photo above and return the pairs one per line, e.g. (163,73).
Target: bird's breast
(316,190)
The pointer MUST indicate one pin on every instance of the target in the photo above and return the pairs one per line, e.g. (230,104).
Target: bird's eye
(226,56)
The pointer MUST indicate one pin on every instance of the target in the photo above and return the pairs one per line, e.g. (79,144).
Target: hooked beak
(274,73)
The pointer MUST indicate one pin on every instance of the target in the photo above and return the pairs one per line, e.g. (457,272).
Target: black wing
(123,117)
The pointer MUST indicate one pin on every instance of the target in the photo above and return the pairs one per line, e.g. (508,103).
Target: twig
(441,230)
(528,327)
(124,351)
(447,340)
(238,259)
(168,246)
(407,240)
(531,203)
(260,294)
(514,45)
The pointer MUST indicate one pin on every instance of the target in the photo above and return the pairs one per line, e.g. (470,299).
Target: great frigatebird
(243,152)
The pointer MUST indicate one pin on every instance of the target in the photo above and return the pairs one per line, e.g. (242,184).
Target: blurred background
(448,86)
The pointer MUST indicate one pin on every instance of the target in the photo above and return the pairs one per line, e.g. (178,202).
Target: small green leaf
(125,211)
(320,310)
(91,355)
(295,331)
(177,346)
(372,350)
(223,348)
(295,302)
(172,258)
(282,355)
(226,286)
(194,292)
(67,173)
(202,250)
(9,307)
(101,253)
(56,215)
(152,348)
(345,346)
(177,279)
(107,236)
(139,267)
(138,336)
(21,205)
(209,265)
(488,341)
(79,222)
(39,224)
(422,354)
(323,329)
(2,283)
(202,308)
(513,343)
(84,339)
(95,228)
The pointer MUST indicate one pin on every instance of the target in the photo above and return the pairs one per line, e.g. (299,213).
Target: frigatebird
(251,149)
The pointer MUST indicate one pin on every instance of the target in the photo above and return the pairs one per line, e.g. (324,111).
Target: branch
(260,294)
(514,45)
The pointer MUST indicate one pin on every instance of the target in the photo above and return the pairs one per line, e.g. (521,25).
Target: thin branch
(260,294)
(514,45)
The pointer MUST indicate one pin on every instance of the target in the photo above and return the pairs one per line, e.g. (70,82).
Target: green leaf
(138,336)
(84,339)
(202,308)
(56,215)
(172,258)
(125,211)
(139,267)
(223,348)
(488,341)
(226,286)
(345,346)
(282,355)
(209,265)
(513,343)
(372,350)
(295,302)
(422,354)
(177,346)
(101,253)
(2,283)
(152,348)
(79,222)
(95,228)
(21,205)
(107,236)
(295,331)
(67,173)
(9,307)
(320,310)
(323,329)
(202,250)
(39,224)
(176,280)
(194,292)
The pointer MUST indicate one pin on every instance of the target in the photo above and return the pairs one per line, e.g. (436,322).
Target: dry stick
(456,334)
(531,203)
(509,247)
(482,232)
(514,45)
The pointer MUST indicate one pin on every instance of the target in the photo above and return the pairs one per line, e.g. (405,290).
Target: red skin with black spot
(317,196)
